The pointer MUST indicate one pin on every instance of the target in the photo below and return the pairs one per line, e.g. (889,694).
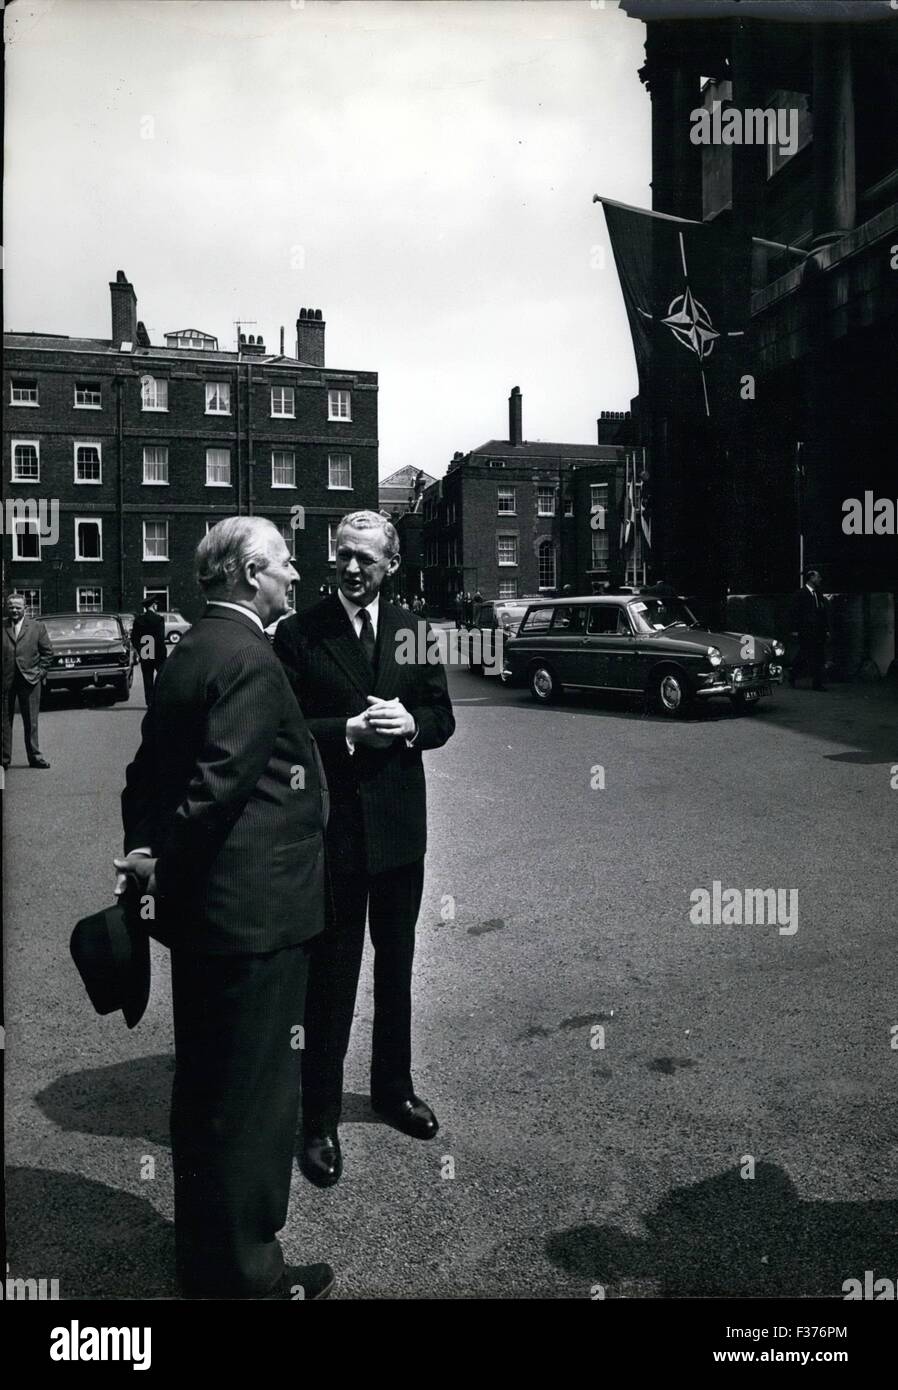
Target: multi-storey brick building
(138,449)
(515,517)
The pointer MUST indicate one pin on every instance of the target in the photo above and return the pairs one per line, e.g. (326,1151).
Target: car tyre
(173,637)
(669,694)
(544,685)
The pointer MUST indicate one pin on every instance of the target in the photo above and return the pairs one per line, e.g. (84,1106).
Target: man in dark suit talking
(372,713)
(224,813)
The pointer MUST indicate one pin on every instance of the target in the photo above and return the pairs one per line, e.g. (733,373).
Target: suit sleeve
(138,807)
(432,710)
(241,729)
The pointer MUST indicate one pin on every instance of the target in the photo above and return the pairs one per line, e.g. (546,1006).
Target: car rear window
(67,629)
(537,620)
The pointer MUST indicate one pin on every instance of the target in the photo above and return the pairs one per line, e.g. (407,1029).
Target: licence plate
(70,661)
(758,691)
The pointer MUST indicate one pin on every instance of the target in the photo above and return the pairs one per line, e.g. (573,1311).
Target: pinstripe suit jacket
(331,676)
(227,789)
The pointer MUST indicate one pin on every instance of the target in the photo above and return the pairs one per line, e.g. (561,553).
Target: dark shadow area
(97,1242)
(735,1237)
(129,1099)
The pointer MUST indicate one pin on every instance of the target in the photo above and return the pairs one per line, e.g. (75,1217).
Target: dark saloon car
(89,650)
(492,617)
(638,643)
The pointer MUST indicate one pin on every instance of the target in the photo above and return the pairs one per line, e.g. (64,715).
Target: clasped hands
(380,723)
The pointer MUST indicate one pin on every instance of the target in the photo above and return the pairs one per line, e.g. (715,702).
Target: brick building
(821,423)
(141,448)
(517,517)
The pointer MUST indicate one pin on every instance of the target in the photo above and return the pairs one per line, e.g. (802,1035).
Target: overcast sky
(422,172)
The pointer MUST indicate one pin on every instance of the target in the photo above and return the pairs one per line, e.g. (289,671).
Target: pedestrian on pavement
(468,610)
(459,609)
(148,640)
(224,811)
(476,605)
(811,627)
(372,715)
(27,656)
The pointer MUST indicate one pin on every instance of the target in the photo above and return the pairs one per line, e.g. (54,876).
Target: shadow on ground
(123,1248)
(735,1237)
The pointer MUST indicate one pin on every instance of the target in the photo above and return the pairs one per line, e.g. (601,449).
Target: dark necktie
(366,636)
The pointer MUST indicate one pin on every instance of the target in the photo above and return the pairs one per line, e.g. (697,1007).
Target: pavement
(630,1103)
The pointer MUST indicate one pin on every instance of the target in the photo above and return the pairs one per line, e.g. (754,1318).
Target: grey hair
(373,521)
(228,547)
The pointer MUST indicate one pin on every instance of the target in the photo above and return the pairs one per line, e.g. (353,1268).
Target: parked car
(648,644)
(175,626)
(90,650)
(495,615)
(127,622)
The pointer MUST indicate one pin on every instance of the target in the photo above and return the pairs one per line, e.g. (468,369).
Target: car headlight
(778,649)
(714,656)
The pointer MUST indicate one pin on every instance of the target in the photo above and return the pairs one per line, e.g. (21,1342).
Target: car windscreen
(537,620)
(82,629)
(655,614)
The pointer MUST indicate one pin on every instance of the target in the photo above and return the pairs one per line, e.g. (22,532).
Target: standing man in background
(812,626)
(372,716)
(27,656)
(148,640)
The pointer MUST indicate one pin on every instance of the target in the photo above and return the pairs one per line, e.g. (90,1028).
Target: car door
(608,653)
(567,634)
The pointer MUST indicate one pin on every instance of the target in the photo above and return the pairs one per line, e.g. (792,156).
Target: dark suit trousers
(810,658)
(392,900)
(235,1105)
(150,671)
(29,699)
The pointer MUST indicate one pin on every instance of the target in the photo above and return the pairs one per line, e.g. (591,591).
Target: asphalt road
(554,907)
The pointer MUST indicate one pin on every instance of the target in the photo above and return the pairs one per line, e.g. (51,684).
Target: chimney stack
(124,310)
(310,337)
(515,427)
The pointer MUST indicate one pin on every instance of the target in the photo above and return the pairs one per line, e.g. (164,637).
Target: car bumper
(728,685)
(88,675)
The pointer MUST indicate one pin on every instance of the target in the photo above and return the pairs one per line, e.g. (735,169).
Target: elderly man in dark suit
(27,655)
(372,712)
(224,813)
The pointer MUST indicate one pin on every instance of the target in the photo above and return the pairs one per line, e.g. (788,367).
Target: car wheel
(543,685)
(173,637)
(670,694)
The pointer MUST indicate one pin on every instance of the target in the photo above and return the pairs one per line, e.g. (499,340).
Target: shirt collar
(352,610)
(238,608)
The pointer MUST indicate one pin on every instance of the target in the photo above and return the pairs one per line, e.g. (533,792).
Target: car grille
(753,673)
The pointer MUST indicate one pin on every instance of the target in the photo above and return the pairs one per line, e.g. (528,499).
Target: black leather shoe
(303,1283)
(411,1117)
(321,1160)
(39,762)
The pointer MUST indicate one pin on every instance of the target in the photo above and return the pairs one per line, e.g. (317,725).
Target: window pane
(218,466)
(89,599)
(155,463)
(282,400)
(537,620)
(87,463)
(507,550)
(547,565)
(338,405)
(339,470)
(26,540)
(283,469)
(25,464)
(155,540)
(24,392)
(88,543)
(88,393)
(545,501)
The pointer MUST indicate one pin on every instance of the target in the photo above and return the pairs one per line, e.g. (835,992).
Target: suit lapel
(340,641)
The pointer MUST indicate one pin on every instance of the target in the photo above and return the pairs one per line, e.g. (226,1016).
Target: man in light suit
(224,813)
(27,656)
(372,714)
